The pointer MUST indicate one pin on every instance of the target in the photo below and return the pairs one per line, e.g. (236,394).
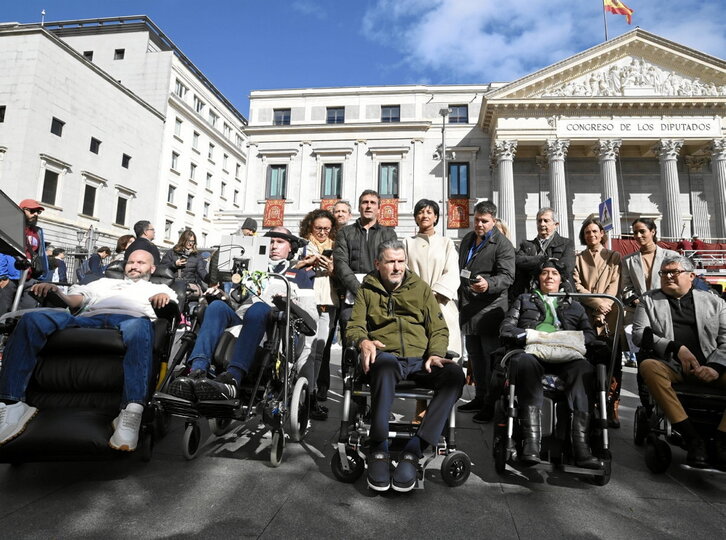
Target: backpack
(83,270)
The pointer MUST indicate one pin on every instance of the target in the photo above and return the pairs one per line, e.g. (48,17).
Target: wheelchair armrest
(308,326)
(506,359)
(52,300)
(168,312)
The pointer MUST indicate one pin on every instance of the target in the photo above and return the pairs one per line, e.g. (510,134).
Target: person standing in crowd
(355,250)
(122,244)
(60,274)
(95,261)
(486,263)
(145,234)
(318,228)
(34,251)
(597,270)
(249,227)
(547,245)
(342,212)
(638,273)
(184,260)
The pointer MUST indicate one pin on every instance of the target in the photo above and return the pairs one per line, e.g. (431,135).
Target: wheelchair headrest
(163,275)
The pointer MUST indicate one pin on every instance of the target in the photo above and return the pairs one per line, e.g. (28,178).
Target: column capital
(696,163)
(668,149)
(556,149)
(717,148)
(504,150)
(607,149)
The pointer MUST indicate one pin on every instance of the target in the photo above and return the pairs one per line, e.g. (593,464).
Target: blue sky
(244,45)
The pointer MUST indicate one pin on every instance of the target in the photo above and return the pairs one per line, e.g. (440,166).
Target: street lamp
(444,113)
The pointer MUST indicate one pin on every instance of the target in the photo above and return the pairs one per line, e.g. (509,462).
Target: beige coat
(435,260)
(598,273)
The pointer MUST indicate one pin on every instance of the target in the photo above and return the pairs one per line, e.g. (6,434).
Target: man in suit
(683,332)
(547,245)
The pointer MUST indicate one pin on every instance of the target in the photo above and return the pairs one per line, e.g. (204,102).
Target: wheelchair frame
(506,442)
(280,400)
(348,462)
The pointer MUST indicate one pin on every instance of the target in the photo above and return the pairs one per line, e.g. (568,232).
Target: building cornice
(337,128)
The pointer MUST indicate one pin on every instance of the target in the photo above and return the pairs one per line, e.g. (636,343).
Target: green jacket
(407,321)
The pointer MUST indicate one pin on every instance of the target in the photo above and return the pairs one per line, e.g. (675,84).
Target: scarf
(321,246)
(551,323)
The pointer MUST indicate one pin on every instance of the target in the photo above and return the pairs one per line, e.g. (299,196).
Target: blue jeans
(30,336)
(217,318)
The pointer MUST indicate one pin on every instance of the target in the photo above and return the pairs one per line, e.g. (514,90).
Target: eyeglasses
(671,273)
(322,229)
(33,210)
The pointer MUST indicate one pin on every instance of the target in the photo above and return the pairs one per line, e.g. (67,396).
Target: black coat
(481,313)
(195,271)
(530,257)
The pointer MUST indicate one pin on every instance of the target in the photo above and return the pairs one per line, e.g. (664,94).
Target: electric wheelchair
(704,404)
(556,453)
(349,458)
(78,382)
(273,391)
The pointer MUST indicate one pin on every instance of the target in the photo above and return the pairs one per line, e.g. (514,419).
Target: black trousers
(447,383)
(578,376)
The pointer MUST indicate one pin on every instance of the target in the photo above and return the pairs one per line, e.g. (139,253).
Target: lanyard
(474,249)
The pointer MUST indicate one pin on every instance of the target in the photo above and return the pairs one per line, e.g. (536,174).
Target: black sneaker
(473,406)
(404,476)
(183,387)
(322,393)
(223,388)
(318,412)
(379,471)
(697,454)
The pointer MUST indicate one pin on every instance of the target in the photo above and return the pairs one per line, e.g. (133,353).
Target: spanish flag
(618,8)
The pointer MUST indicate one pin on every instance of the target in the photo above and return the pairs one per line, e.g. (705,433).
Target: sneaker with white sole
(13,419)
(127,426)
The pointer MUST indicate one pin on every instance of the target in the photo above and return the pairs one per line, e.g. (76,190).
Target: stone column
(667,152)
(607,152)
(556,151)
(504,154)
(699,204)
(718,166)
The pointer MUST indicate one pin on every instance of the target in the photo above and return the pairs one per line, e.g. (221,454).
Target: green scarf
(551,323)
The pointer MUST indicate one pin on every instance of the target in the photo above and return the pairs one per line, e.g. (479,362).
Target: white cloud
(490,40)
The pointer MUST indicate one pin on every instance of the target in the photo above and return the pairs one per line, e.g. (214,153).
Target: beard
(143,276)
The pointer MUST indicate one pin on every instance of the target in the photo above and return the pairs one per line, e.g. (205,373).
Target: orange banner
(458,215)
(274,213)
(327,204)
(389,213)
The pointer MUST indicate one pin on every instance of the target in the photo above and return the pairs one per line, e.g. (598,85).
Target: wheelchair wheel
(220,426)
(146,446)
(657,455)
(191,440)
(640,426)
(162,422)
(299,410)
(355,463)
(499,451)
(277,448)
(455,468)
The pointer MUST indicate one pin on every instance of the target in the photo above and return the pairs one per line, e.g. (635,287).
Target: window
(192,171)
(281,117)
(390,113)
(95,145)
(190,202)
(180,89)
(168,225)
(223,190)
(332,181)
(198,105)
(276,180)
(2,114)
(178,127)
(174,160)
(213,117)
(238,140)
(458,180)
(89,200)
(50,187)
(210,153)
(88,55)
(235,195)
(125,161)
(121,203)
(205,210)
(170,194)
(204,238)
(56,127)
(388,179)
(227,131)
(119,54)
(237,168)
(336,115)
(208,184)
(459,114)
(195,140)
(225,157)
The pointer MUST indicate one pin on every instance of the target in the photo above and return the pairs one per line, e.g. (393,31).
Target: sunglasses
(33,210)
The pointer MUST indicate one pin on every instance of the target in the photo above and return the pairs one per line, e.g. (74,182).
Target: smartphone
(328,253)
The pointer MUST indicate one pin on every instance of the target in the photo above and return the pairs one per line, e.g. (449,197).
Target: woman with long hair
(185,261)
(121,244)
(318,228)
(597,270)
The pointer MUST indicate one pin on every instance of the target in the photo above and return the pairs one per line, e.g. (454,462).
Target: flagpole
(605,20)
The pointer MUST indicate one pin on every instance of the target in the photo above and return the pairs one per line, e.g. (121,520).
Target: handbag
(556,347)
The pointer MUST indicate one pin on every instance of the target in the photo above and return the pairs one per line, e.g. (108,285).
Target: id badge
(466,274)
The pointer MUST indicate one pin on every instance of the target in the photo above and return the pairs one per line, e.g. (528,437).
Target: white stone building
(107,122)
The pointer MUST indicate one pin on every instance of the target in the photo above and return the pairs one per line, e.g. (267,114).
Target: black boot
(531,434)
(697,455)
(721,450)
(580,449)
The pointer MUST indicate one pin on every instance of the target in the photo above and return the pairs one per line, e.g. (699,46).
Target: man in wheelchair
(400,331)
(253,317)
(126,305)
(683,331)
(536,311)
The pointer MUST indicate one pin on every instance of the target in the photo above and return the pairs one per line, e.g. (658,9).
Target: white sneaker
(13,419)
(127,425)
